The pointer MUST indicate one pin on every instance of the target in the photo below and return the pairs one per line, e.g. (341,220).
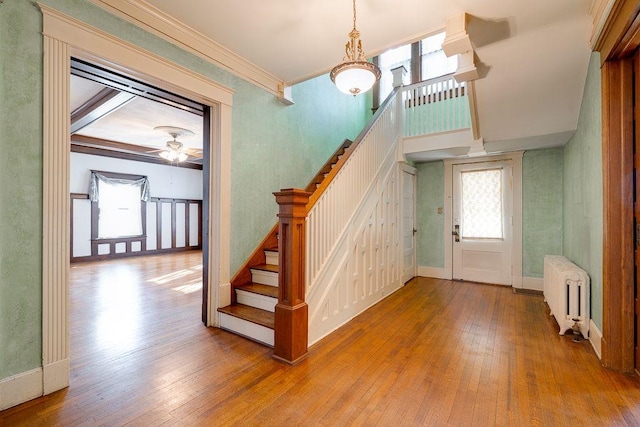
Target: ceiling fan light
(166,155)
(182,156)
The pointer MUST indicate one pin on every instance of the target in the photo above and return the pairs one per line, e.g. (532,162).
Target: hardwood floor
(434,353)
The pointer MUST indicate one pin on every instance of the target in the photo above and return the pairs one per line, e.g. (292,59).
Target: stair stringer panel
(365,264)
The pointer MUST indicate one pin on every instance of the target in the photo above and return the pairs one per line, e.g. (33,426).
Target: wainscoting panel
(175,223)
(365,265)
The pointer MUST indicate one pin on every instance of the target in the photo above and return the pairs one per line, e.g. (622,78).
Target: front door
(482,222)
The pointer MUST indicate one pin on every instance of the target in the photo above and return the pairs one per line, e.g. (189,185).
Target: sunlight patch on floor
(175,275)
(193,286)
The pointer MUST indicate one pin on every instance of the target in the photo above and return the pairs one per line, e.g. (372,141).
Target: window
(423,60)
(389,60)
(118,202)
(433,62)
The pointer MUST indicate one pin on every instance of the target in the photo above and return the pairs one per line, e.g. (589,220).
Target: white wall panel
(194,224)
(151,226)
(166,226)
(180,227)
(81,227)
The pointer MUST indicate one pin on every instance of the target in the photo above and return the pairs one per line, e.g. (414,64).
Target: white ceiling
(135,122)
(532,55)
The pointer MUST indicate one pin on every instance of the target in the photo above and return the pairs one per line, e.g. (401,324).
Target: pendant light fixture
(355,75)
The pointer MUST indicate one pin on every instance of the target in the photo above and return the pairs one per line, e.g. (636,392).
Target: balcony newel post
(291,313)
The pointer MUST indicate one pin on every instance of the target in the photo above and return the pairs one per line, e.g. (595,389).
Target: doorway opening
(118,146)
(63,40)
(136,231)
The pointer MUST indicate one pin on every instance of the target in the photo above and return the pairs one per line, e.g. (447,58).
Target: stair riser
(258,301)
(272,257)
(264,277)
(247,329)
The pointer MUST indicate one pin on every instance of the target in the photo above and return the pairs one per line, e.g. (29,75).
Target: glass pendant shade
(173,155)
(355,77)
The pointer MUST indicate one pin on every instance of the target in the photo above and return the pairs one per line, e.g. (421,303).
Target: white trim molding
(434,272)
(533,283)
(65,37)
(595,338)
(20,388)
(153,20)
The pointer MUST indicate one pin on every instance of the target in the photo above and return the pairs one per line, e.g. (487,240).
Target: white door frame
(411,171)
(65,37)
(516,254)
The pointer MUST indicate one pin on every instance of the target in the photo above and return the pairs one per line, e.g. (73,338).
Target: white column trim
(66,37)
(55,221)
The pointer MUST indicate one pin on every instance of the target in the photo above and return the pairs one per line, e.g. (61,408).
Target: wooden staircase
(252,313)
(255,286)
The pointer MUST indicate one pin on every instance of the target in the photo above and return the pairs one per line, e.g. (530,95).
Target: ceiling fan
(174,150)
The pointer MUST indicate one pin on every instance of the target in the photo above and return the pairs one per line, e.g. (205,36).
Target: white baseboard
(436,273)
(533,283)
(55,376)
(595,337)
(20,388)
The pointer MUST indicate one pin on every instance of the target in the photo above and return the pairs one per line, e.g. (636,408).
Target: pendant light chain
(354,14)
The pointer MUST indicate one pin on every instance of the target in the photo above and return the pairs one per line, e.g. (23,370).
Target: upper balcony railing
(435,106)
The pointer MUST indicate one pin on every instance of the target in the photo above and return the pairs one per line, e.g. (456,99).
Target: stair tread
(266,267)
(260,289)
(251,314)
(271,249)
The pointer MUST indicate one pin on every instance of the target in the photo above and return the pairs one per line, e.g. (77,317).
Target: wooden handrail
(332,174)
(257,257)
(320,176)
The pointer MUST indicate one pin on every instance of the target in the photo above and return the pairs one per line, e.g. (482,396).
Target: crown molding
(149,18)
(620,30)
(599,11)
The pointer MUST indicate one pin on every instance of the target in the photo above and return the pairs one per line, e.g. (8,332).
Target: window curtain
(142,183)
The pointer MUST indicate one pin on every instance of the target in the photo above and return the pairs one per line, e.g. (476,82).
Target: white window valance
(142,183)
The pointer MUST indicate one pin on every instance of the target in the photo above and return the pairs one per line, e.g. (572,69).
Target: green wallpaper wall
(541,209)
(430,196)
(541,206)
(582,189)
(21,189)
(273,146)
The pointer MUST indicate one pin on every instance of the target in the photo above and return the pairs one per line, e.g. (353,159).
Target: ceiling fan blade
(193,152)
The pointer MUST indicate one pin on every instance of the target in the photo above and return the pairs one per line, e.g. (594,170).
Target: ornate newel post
(292,315)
